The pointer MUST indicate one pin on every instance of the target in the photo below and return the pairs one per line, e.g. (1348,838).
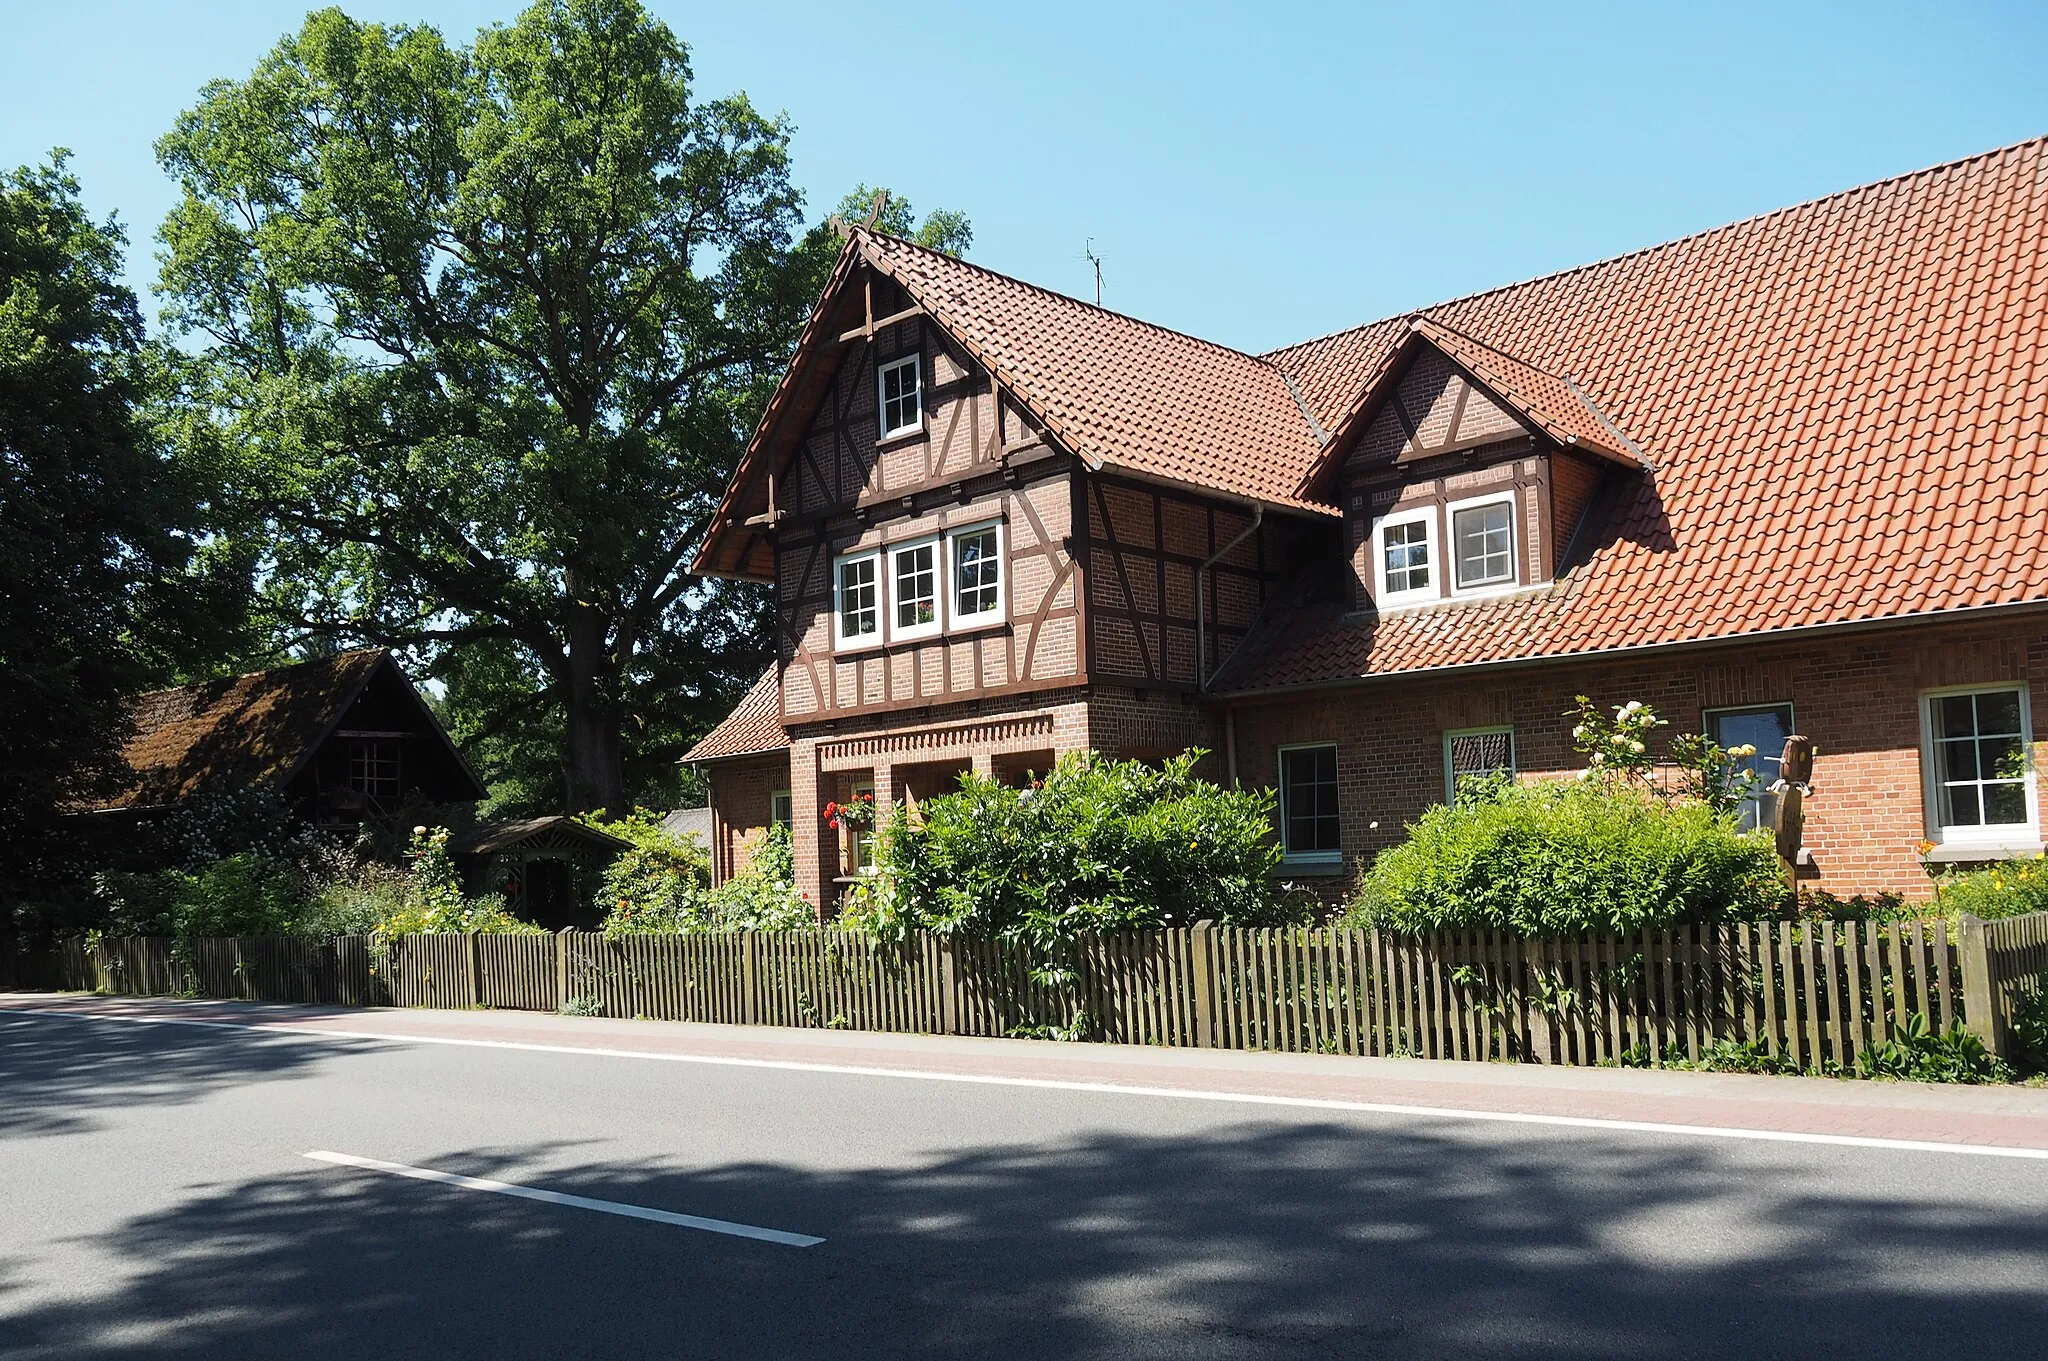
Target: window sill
(1313,866)
(909,434)
(1978,852)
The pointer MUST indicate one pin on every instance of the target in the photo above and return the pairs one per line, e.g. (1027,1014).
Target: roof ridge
(1754,218)
(261,671)
(1071,299)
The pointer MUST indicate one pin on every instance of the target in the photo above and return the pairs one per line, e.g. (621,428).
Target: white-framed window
(1470,752)
(1976,754)
(899,392)
(1309,826)
(1404,553)
(914,590)
(781,809)
(864,837)
(1483,542)
(857,600)
(1765,727)
(977,574)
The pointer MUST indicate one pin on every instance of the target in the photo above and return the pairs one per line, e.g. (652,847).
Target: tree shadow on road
(57,1071)
(1259,1239)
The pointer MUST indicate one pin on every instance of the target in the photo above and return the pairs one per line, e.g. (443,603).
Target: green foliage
(2007,889)
(104,586)
(240,895)
(481,332)
(1558,858)
(1916,1055)
(1098,845)
(662,886)
(1721,1056)
(941,230)
(433,901)
(2030,1025)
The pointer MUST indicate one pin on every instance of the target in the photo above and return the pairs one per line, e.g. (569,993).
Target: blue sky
(1253,173)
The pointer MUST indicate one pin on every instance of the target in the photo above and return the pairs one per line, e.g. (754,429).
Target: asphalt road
(156,1198)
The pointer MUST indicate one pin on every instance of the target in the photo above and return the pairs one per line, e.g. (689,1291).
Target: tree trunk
(593,764)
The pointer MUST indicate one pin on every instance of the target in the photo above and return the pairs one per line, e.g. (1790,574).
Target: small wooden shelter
(547,868)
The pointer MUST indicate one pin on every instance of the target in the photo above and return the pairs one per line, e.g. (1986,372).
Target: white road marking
(610,1207)
(1592,1122)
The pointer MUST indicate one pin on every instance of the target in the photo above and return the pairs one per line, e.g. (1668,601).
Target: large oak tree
(483,330)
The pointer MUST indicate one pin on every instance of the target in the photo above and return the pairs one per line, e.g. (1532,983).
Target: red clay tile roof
(1845,403)
(254,729)
(754,725)
(1119,392)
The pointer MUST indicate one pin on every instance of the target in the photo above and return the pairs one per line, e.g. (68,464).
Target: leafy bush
(1559,858)
(432,900)
(1098,845)
(2009,889)
(1917,1055)
(661,886)
(2030,1025)
(241,895)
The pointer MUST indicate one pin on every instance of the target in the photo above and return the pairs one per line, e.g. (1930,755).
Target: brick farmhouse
(1784,475)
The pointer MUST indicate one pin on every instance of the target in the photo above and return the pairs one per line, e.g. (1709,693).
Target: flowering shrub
(663,887)
(1097,845)
(858,812)
(657,885)
(2008,889)
(1616,849)
(433,903)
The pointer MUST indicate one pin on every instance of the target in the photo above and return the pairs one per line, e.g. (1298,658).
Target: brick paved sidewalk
(2010,1117)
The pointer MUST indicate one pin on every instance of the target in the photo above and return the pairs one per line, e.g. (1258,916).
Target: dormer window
(901,396)
(1483,542)
(1404,557)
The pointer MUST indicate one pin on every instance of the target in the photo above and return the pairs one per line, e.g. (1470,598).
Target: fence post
(949,990)
(1205,984)
(475,969)
(1538,1019)
(1980,988)
(561,969)
(750,977)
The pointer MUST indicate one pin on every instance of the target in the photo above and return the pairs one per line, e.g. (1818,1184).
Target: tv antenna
(1088,253)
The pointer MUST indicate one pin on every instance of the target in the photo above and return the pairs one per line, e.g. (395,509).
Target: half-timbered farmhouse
(1784,475)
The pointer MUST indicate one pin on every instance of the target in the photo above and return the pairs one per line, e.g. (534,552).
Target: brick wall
(1857,696)
(740,796)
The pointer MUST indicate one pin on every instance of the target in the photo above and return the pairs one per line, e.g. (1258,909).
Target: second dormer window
(901,396)
(1483,543)
(1407,550)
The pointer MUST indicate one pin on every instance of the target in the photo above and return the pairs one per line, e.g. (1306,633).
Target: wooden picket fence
(1815,994)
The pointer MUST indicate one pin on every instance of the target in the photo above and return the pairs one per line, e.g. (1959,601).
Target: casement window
(781,809)
(1979,773)
(1765,727)
(373,768)
(857,612)
(977,562)
(900,394)
(914,590)
(1404,557)
(1471,752)
(864,837)
(1483,542)
(1308,808)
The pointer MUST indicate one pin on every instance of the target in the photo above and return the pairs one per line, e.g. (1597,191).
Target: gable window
(1404,557)
(1475,753)
(914,590)
(858,608)
(1980,779)
(978,575)
(373,768)
(1483,542)
(1765,727)
(1308,807)
(900,396)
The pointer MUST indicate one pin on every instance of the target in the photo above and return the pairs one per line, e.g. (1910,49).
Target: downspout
(1201,604)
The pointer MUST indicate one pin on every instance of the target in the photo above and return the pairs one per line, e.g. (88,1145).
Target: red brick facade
(1857,695)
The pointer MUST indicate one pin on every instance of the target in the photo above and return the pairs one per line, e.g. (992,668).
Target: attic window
(901,392)
(1483,542)
(373,769)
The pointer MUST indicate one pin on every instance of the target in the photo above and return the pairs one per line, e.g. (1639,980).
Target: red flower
(831,811)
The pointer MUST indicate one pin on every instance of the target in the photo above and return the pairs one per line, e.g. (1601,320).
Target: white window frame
(962,623)
(843,641)
(914,361)
(1310,861)
(900,632)
(1513,582)
(781,809)
(1383,597)
(1992,841)
(865,840)
(1451,777)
